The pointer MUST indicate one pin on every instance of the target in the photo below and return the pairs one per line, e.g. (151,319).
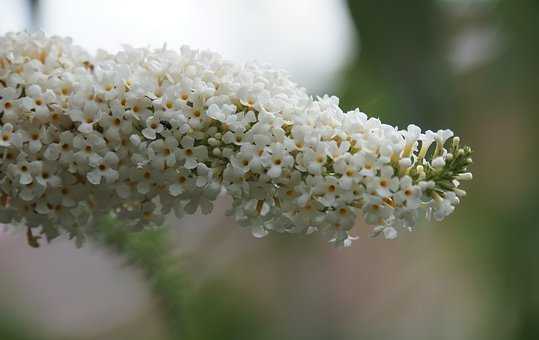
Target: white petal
(274,171)
(187,142)
(26,178)
(34,146)
(259,231)
(175,189)
(52,152)
(85,128)
(149,133)
(190,163)
(94,177)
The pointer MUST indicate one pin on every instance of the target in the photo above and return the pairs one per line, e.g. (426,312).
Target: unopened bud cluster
(142,133)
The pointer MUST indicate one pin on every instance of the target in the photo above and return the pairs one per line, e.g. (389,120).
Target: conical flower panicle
(141,133)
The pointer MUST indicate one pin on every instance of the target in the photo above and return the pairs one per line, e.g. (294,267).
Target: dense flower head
(143,133)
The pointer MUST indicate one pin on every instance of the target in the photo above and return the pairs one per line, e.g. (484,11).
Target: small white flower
(314,160)
(38,100)
(162,152)
(192,154)
(245,159)
(104,168)
(180,182)
(153,127)
(222,113)
(426,141)
(89,146)
(327,188)
(349,173)
(25,171)
(8,104)
(9,137)
(63,150)
(278,160)
(34,137)
(443,207)
(29,192)
(443,135)
(367,162)
(195,111)
(409,195)
(48,176)
(87,117)
(376,211)
(203,175)
(411,136)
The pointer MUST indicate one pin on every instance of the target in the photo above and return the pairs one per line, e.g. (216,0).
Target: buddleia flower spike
(143,133)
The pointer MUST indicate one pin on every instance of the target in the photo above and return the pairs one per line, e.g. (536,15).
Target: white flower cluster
(141,133)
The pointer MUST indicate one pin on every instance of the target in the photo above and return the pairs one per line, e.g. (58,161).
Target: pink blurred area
(409,288)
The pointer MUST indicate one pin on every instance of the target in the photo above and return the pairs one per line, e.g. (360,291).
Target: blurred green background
(471,66)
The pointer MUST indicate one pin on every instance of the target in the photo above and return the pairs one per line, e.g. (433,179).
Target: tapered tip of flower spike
(144,133)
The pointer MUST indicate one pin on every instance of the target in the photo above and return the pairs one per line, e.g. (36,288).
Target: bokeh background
(470,65)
